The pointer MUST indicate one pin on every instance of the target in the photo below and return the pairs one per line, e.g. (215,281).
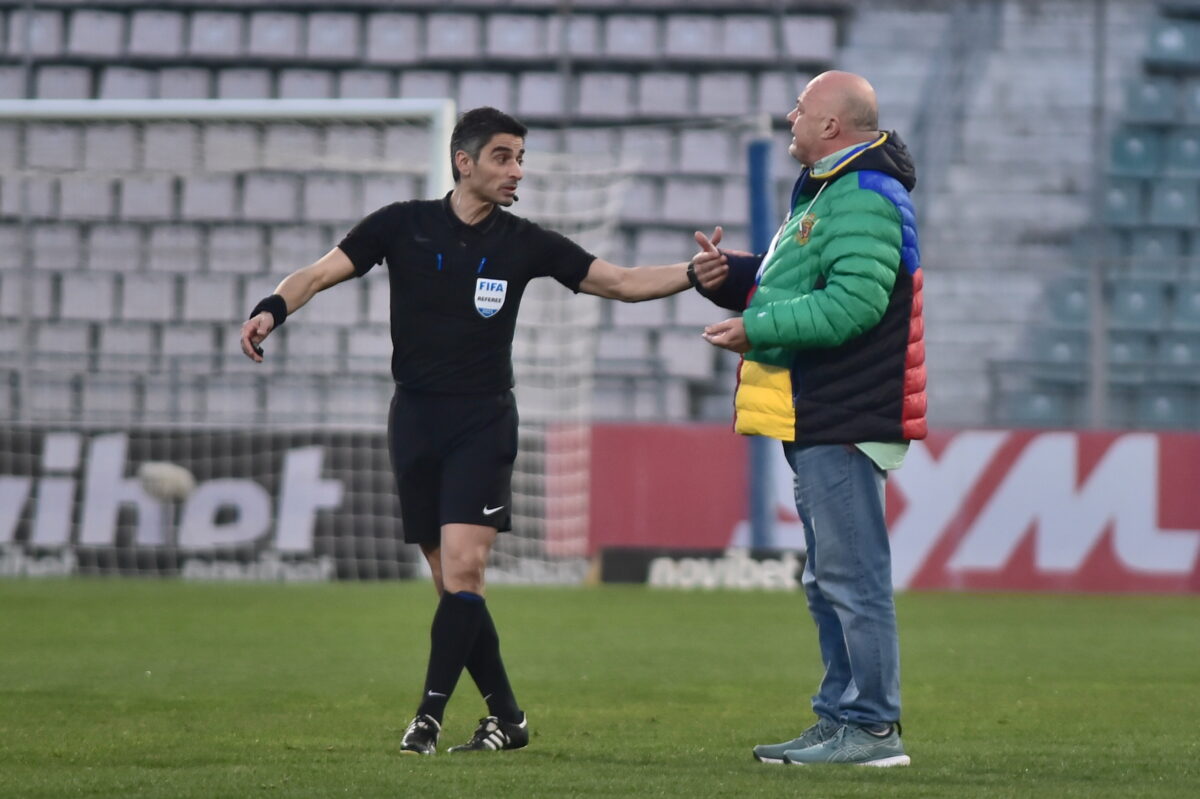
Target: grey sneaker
(823,730)
(853,745)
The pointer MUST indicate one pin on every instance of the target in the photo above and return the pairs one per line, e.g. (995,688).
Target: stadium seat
(1058,354)
(724,93)
(274,35)
(188,348)
(605,94)
(215,34)
(355,399)
(183,83)
(453,36)
(146,198)
(209,298)
(368,349)
(174,248)
(56,247)
(1137,304)
(110,397)
(304,84)
(156,34)
(664,94)
(1067,299)
(394,39)
(52,396)
(689,198)
(1124,202)
(1165,407)
(1152,99)
(148,298)
(296,397)
(689,35)
(747,37)
(85,197)
(1175,202)
(126,83)
(271,198)
(209,197)
(707,151)
(1185,311)
(485,88)
(1178,355)
(583,34)
(540,94)
(684,354)
(1156,244)
(332,198)
(12,295)
(630,36)
(53,146)
(172,397)
(1175,42)
(127,347)
(88,296)
(364,83)
(45,32)
(313,348)
(1130,356)
(1156,252)
(231,399)
(236,248)
(516,36)
(1183,152)
(63,83)
(810,38)
(1136,151)
(425,83)
(64,346)
(1036,408)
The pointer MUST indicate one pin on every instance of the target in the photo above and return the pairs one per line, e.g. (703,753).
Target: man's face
(494,177)
(808,123)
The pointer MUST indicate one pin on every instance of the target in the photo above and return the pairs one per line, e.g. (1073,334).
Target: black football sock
(487,669)
(452,637)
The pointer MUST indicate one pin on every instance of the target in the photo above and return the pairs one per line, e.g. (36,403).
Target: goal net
(139,440)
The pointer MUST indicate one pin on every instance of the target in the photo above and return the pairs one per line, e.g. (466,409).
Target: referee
(457,269)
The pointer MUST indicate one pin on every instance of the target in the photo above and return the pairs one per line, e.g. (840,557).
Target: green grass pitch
(161,689)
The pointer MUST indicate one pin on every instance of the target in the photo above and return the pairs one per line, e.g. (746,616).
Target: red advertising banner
(974,510)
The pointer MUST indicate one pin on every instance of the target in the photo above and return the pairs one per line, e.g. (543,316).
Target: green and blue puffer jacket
(833,310)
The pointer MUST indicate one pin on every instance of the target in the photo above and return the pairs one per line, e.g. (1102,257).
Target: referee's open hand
(254,331)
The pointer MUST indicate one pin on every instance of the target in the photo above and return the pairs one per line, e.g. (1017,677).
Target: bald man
(831,338)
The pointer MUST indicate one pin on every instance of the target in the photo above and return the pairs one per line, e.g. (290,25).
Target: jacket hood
(886,154)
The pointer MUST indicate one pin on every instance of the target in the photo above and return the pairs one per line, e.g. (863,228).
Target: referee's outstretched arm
(292,293)
(637,283)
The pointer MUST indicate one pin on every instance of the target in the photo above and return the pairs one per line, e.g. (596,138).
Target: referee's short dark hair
(476,128)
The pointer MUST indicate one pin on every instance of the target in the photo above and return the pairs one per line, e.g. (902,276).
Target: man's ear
(464,162)
(833,128)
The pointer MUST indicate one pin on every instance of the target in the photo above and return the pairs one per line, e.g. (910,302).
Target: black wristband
(691,274)
(274,305)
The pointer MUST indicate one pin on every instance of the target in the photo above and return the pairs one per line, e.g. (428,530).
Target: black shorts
(453,459)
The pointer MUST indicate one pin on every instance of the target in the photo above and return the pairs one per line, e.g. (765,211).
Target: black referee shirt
(456,288)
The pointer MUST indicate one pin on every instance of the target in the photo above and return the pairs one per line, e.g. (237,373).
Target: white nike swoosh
(433,693)
(489,511)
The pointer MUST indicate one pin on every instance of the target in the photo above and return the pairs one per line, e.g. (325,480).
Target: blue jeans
(848,582)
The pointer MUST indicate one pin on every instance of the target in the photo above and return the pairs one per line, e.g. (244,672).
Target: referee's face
(494,177)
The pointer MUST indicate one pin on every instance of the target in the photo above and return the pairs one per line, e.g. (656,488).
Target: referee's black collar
(481,227)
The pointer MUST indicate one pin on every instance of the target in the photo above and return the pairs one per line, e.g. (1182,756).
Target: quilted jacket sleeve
(858,252)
